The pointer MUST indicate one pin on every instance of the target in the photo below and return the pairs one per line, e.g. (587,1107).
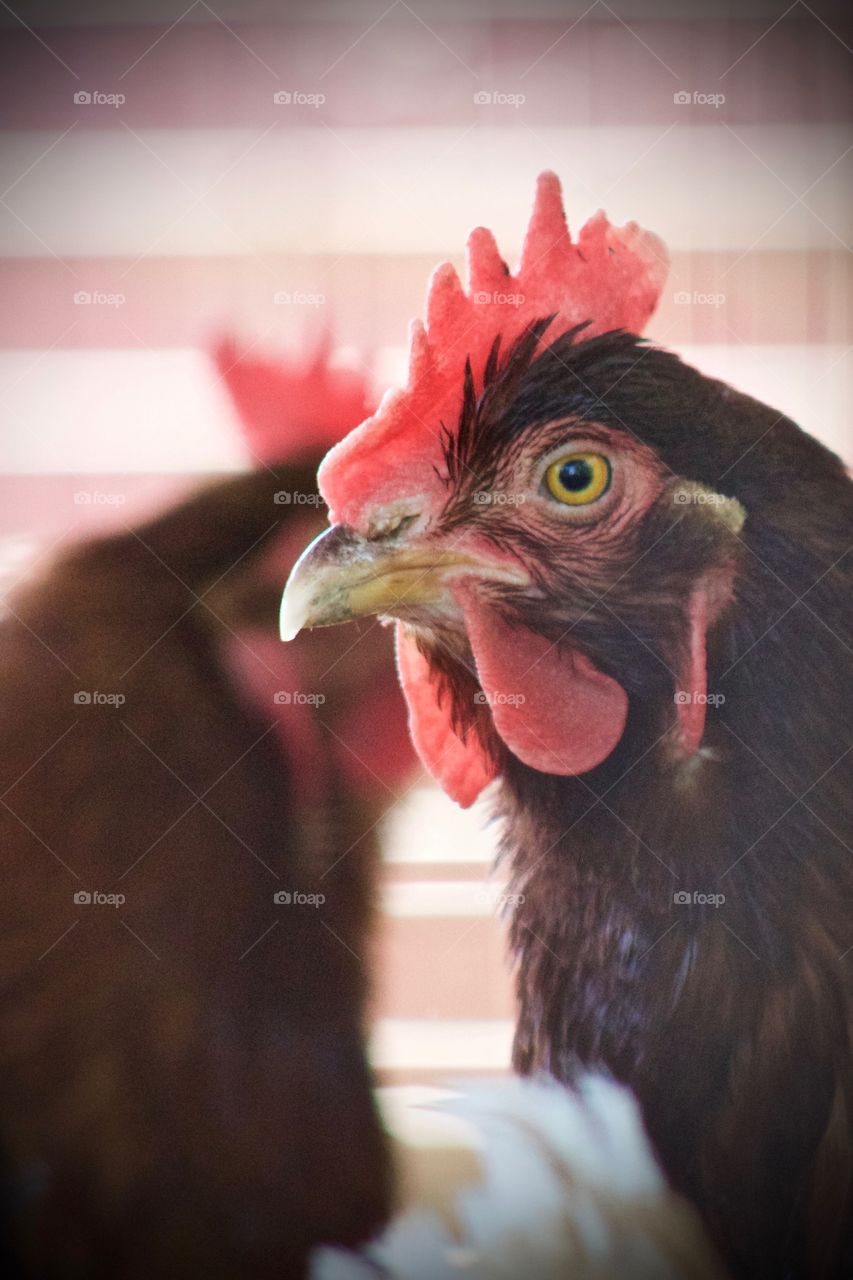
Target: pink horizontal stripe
(773,297)
(440,1077)
(467,975)
(44,505)
(601,72)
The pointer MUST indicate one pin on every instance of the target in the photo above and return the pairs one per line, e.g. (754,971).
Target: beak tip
(291,617)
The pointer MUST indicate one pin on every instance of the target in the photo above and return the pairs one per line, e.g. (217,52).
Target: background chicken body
(190,857)
(675,796)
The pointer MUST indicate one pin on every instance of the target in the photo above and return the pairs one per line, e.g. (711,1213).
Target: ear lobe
(691,695)
(709,599)
(706,603)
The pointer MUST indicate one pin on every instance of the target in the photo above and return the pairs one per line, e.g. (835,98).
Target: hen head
(533,511)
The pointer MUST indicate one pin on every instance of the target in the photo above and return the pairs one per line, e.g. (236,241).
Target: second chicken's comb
(291,405)
(610,277)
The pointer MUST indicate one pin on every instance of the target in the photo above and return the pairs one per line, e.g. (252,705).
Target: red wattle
(550,704)
(462,768)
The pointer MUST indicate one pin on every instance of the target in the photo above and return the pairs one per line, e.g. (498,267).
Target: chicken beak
(343,575)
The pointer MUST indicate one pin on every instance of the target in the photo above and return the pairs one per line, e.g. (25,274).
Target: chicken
(564,1187)
(287,407)
(188,825)
(623,597)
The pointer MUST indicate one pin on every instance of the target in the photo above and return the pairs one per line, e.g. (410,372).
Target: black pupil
(576,475)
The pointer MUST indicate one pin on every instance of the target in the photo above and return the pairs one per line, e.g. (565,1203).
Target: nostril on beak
(389,525)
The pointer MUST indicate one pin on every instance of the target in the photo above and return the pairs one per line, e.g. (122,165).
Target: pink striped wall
(771,297)
(401,73)
(355,199)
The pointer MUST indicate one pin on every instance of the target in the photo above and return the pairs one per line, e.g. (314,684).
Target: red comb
(611,277)
(290,407)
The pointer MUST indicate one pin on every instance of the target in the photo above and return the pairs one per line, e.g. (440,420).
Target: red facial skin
(550,705)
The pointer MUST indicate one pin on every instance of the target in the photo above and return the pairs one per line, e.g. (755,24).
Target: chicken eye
(578,478)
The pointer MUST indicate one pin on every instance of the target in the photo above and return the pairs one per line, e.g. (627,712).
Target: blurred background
(172,173)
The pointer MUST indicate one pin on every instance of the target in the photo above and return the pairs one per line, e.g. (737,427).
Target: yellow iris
(578,478)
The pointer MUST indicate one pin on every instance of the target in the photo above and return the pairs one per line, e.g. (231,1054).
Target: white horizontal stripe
(427,827)
(412,1113)
(120,410)
(100,411)
(386,190)
(433,1044)
(443,898)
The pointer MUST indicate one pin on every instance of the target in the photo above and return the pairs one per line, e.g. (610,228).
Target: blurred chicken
(182,1070)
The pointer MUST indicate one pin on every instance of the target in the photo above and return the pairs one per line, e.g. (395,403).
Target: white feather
(568,1190)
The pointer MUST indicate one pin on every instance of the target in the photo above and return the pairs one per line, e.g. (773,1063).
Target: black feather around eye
(479,416)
